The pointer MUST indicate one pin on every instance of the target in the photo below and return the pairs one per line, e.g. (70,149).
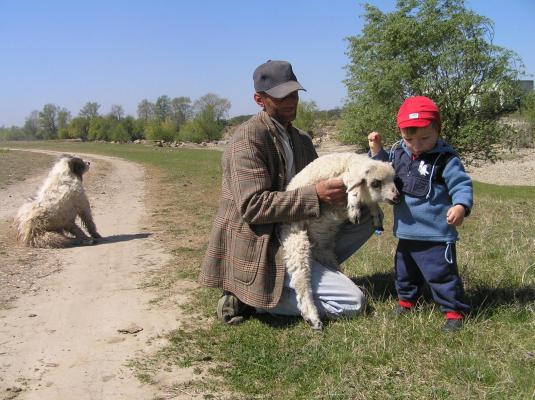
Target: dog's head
(76,165)
(374,179)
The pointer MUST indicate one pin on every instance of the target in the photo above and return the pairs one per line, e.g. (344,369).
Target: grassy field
(371,357)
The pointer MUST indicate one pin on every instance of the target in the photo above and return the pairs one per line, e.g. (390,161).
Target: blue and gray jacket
(429,185)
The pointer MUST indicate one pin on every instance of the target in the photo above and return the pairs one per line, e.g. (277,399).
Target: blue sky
(120,52)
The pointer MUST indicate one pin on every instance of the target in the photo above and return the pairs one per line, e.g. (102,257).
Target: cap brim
(414,123)
(284,89)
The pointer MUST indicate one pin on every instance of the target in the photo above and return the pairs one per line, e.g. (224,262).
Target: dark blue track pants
(418,262)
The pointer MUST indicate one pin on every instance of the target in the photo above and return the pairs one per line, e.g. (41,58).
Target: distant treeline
(168,119)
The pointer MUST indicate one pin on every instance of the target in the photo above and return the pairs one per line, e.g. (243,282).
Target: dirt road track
(62,341)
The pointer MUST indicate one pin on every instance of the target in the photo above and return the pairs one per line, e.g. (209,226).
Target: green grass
(374,356)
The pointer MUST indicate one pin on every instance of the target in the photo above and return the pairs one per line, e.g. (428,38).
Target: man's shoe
(230,309)
(452,325)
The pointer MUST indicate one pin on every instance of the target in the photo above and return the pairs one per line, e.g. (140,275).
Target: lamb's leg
(326,257)
(375,213)
(322,234)
(353,208)
(297,260)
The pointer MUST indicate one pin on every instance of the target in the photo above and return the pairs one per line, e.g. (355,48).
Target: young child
(436,196)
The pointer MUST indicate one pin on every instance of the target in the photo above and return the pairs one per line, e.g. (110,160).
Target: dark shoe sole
(400,310)
(452,325)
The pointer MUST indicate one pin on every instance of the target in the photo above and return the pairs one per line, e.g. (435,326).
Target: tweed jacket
(244,255)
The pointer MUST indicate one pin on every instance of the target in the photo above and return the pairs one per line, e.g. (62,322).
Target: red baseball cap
(417,112)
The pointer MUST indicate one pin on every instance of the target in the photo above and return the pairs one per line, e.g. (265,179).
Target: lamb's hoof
(316,326)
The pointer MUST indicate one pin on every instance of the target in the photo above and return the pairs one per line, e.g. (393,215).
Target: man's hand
(331,191)
(375,143)
(455,215)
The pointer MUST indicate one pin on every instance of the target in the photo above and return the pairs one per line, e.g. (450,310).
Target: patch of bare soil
(80,314)
(16,169)
(20,268)
(515,167)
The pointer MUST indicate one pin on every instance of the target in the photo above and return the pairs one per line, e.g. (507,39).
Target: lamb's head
(75,165)
(372,182)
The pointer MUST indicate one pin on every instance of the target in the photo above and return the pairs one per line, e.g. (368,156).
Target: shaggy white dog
(368,182)
(49,220)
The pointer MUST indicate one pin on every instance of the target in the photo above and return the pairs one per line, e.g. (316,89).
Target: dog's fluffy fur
(49,220)
(368,182)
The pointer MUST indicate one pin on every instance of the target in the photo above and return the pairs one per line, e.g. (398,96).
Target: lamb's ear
(355,185)
(354,180)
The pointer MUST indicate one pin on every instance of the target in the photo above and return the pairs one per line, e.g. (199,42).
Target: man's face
(283,110)
(422,140)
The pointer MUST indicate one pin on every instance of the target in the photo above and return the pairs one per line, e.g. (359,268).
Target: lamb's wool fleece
(368,182)
(43,221)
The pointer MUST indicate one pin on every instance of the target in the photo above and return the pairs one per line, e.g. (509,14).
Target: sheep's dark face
(78,166)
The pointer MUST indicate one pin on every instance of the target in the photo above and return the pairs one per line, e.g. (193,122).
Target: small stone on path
(133,328)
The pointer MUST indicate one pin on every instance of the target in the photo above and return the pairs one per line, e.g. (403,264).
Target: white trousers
(334,293)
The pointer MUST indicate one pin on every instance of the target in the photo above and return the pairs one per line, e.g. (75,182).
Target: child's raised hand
(455,215)
(375,143)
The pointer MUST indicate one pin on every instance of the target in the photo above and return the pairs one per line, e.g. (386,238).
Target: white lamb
(368,182)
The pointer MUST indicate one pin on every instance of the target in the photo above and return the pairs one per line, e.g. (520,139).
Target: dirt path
(62,341)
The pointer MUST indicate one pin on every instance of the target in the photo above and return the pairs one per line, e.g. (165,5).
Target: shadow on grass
(485,300)
(379,286)
(277,322)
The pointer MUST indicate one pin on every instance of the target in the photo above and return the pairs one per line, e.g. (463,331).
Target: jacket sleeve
(459,184)
(254,188)
(383,155)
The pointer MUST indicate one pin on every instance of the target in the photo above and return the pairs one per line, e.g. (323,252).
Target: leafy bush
(435,48)
(307,112)
(156,130)
(204,127)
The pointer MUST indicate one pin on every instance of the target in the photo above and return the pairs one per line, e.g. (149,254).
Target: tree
(119,133)
(116,112)
(78,128)
(133,128)
(208,122)
(89,110)
(219,107)
(48,122)
(145,110)
(156,130)
(162,108)
(63,118)
(99,128)
(306,115)
(181,110)
(435,48)
(31,125)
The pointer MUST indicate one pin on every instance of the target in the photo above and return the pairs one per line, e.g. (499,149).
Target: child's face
(422,140)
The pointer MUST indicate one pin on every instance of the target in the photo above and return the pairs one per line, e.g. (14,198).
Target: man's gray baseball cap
(276,78)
